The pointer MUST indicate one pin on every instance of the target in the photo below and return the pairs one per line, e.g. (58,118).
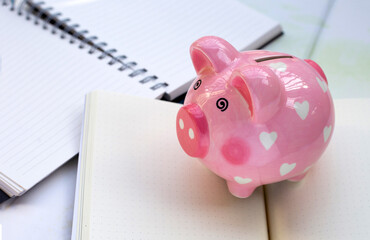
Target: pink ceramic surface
(254,117)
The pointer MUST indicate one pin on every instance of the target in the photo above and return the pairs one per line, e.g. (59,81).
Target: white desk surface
(334,33)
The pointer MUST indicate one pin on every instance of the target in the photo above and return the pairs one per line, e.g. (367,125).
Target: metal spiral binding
(56,23)
(59,25)
(86,41)
(38,14)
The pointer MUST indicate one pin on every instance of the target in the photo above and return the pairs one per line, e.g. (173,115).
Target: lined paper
(158,34)
(142,184)
(43,78)
(43,81)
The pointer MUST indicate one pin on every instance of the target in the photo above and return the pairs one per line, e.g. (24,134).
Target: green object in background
(343,49)
(333,33)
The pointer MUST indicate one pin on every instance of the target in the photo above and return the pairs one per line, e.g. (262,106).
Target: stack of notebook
(53,53)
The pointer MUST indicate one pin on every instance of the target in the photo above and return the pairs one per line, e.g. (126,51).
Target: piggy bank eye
(197,84)
(222,104)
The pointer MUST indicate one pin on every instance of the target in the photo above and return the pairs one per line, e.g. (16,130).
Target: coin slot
(270,58)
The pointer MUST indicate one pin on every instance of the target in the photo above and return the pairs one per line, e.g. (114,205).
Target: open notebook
(135,182)
(48,64)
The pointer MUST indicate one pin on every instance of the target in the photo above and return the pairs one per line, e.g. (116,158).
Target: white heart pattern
(327,131)
(280,66)
(302,109)
(286,168)
(306,169)
(322,84)
(241,180)
(268,139)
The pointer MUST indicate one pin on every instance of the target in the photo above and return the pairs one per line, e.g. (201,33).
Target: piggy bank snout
(192,130)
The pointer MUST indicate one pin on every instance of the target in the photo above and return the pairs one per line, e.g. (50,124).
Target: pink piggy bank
(254,117)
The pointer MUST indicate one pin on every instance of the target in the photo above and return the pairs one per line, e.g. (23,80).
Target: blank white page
(333,201)
(157,34)
(143,186)
(43,81)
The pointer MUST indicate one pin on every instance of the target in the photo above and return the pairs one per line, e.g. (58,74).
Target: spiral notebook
(136,182)
(50,58)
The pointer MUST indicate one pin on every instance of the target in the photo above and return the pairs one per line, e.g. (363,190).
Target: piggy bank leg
(298,177)
(240,190)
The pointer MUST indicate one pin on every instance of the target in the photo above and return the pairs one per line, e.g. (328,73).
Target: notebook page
(143,186)
(158,34)
(43,81)
(333,201)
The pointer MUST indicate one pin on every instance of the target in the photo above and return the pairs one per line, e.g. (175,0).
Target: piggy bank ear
(261,89)
(212,54)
